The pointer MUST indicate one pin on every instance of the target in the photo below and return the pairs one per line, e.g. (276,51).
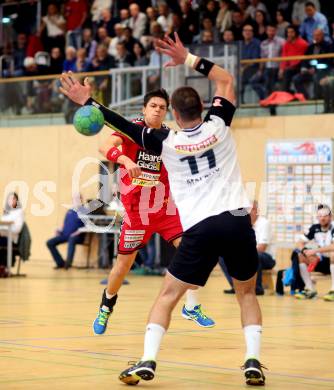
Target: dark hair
(186,101)
(296,30)
(324,206)
(310,4)
(271,25)
(8,207)
(143,51)
(160,93)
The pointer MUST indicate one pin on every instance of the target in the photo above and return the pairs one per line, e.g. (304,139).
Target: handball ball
(88,120)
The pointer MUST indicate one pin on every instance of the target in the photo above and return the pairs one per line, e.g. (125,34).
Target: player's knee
(122,267)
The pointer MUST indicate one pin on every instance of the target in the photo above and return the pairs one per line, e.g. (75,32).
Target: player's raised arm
(180,55)
(81,94)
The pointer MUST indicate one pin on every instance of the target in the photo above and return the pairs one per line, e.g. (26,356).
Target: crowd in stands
(104,34)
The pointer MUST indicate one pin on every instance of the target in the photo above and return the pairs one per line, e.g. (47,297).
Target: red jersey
(153,181)
(74,12)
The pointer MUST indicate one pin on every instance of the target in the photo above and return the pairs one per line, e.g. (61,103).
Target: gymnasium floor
(46,340)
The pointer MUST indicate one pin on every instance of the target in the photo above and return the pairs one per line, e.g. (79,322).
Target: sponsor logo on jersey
(148,161)
(131,245)
(197,147)
(201,178)
(147,179)
(133,238)
(135,232)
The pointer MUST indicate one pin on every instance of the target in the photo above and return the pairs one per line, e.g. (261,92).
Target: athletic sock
(253,341)
(153,337)
(305,275)
(191,299)
(108,301)
(332,275)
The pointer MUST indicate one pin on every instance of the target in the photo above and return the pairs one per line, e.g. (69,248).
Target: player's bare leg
(158,322)
(251,321)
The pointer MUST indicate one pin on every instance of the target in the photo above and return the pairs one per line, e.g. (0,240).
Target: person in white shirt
(208,191)
(13,212)
(137,21)
(118,38)
(54,23)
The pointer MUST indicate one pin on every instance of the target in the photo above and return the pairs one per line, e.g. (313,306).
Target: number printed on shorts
(209,154)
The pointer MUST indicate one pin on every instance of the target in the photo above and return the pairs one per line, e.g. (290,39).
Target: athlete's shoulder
(316,227)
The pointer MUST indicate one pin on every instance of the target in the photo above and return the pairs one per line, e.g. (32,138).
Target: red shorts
(135,233)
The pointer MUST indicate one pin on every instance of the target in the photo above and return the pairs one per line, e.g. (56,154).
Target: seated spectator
(228,37)
(207,26)
(53,24)
(103,37)
(140,55)
(129,40)
(68,233)
(96,11)
(262,228)
(88,43)
(108,22)
(70,59)
(56,61)
(165,17)
(137,21)
(281,24)
(151,17)
(250,49)
(12,212)
(207,38)
(118,37)
(260,26)
(237,24)
(182,29)
(190,18)
(123,57)
(256,5)
(243,5)
(294,46)
(19,54)
(313,70)
(314,21)
(224,17)
(82,63)
(298,11)
(321,257)
(155,33)
(124,15)
(76,13)
(266,78)
(211,11)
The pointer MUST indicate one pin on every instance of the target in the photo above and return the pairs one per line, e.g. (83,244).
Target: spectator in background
(129,40)
(256,5)
(265,79)
(260,26)
(250,49)
(70,59)
(298,11)
(327,86)
(19,54)
(228,37)
(96,11)
(118,37)
(53,24)
(103,37)
(237,24)
(68,233)
(211,11)
(190,18)
(137,21)
(123,57)
(165,16)
(88,43)
(151,15)
(76,14)
(155,33)
(243,5)
(294,46)
(183,31)
(314,20)
(108,22)
(312,71)
(82,63)
(140,55)
(281,24)
(56,61)
(224,17)
(207,26)
(124,15)
(12,212)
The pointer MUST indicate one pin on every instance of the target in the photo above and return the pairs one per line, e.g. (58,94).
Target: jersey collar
(193,128)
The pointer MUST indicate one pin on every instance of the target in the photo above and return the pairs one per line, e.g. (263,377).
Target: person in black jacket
(314,70)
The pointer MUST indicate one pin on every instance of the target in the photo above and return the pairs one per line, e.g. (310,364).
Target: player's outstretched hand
(175,50)
(75,91)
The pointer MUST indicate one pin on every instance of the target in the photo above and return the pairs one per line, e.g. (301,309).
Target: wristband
(204,66)
(113,154)
(190,60)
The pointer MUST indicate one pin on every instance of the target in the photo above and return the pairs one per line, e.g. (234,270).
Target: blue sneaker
(197,316)
(101,321)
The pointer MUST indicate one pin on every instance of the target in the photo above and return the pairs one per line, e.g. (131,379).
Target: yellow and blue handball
(88,120)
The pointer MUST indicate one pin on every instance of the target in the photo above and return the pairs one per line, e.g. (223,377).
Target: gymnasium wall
(50,154)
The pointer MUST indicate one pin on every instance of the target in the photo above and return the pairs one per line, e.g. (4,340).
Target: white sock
(332,275)
(191,299)
(253,341)
(153,337)
(305,275)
